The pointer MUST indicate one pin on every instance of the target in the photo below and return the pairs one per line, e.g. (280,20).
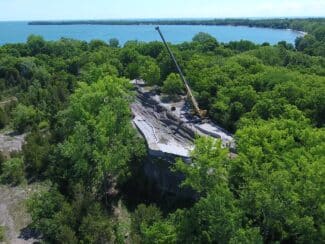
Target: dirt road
(13,213)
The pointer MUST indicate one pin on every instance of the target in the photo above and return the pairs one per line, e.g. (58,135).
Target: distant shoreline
(138,22)
(279,22)
(273,23)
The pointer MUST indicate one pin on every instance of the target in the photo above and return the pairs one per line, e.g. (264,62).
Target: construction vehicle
(197,110)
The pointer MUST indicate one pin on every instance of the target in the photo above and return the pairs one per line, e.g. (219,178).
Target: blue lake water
(14,32)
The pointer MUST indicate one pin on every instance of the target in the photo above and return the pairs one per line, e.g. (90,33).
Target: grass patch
(2,233)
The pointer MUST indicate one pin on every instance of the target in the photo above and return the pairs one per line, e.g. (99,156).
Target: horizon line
(169,18)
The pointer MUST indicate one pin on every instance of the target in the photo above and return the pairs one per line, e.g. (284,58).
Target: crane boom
(198,111)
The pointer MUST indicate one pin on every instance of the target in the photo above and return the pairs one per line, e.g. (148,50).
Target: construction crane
(198,111)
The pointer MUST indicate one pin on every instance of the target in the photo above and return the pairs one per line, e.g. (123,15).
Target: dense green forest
(73,102)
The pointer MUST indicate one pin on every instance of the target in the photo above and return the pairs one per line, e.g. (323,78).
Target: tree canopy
(72,100)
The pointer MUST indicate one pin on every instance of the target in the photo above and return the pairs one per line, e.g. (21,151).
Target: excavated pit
(168,127)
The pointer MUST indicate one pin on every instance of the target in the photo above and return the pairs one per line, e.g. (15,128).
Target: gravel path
(13,213)
(11,143)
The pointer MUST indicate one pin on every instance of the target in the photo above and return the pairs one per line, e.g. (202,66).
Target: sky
(131,9)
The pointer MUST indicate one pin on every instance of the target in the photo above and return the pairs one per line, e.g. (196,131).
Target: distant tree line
(302,24)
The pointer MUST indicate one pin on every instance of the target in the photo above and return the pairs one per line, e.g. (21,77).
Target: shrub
(3,118)
(173,85)
(13,172)
(24,117)
(36,151)
(2,160)
(143,216)
(2,233)
(43,125)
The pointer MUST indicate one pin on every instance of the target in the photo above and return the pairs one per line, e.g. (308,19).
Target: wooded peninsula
(300,24)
